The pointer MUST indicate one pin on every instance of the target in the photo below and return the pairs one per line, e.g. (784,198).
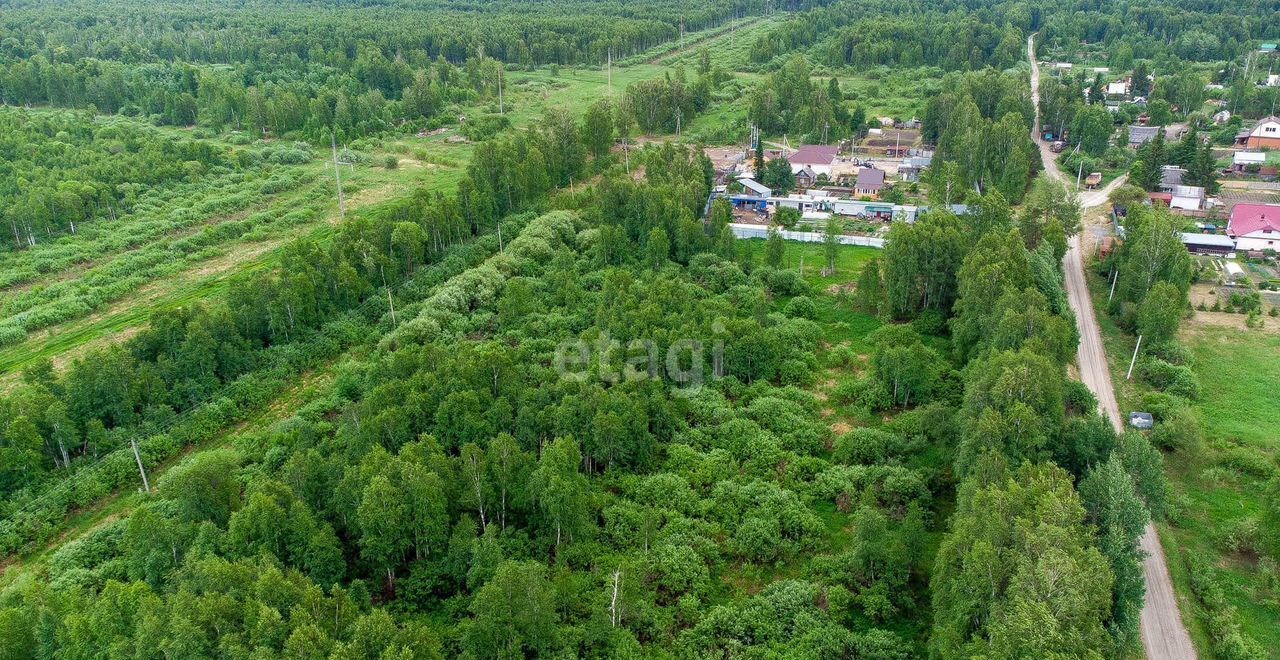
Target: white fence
(759,231)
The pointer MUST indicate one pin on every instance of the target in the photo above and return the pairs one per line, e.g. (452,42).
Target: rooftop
(870,176)
(814,154)
(755,187)
(1216,240)
(1142,134)
(1188,191)
(1248,218)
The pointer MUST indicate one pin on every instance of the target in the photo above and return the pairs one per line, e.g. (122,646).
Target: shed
(1141,420)
(1208,243)
(755,187)
(1187,198)
(1243,159)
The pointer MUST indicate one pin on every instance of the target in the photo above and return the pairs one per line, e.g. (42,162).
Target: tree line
(1044,484)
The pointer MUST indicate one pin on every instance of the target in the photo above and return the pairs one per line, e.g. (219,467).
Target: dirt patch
(1206,320)
(841,427)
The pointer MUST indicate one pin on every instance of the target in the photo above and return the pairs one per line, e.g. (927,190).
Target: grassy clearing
(1238,372)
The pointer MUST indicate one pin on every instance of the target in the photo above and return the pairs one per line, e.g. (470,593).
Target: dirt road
(1163,635)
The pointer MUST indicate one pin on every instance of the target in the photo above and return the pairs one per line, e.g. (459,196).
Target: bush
(1079,398)
(1179,431)
(1239,536)
(781,282)
(868,446)
(931,322)
(391,162)
(1175,379)
(287,155)
(1171,352)
(1229,640)
(801,307)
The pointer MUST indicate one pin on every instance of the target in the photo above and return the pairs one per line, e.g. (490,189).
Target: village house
(1255,226)
(870,181)
(1265,135)
(818,158)
(806,177)
(1170,176)
(1140,135)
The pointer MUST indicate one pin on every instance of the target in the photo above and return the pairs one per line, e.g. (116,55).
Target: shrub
(1171,352)
(1178,431)
(287,155)
(868,446)
(391,162)
(801,307)
(931,322)
(1240,536)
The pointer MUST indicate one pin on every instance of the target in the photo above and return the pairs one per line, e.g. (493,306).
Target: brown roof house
(870,182)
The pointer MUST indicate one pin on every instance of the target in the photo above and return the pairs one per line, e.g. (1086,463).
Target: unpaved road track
(1163,635)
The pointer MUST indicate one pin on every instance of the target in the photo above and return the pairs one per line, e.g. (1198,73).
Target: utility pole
(608,68)
(392,303)
(1134,361)
(613,603)
(146,486)
(1114,277)
(337,174)
(501,109)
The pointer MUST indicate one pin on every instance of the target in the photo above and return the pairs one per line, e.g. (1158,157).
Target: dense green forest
(522,392)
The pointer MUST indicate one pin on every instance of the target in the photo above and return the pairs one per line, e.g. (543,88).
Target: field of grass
(1216,488)
(1238,372)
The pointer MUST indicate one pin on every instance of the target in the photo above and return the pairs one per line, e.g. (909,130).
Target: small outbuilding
(1141,420)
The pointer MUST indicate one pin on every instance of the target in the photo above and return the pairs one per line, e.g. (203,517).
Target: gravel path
(1163,635)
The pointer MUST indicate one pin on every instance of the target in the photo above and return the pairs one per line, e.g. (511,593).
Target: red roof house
(817,157)
(1255,226)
